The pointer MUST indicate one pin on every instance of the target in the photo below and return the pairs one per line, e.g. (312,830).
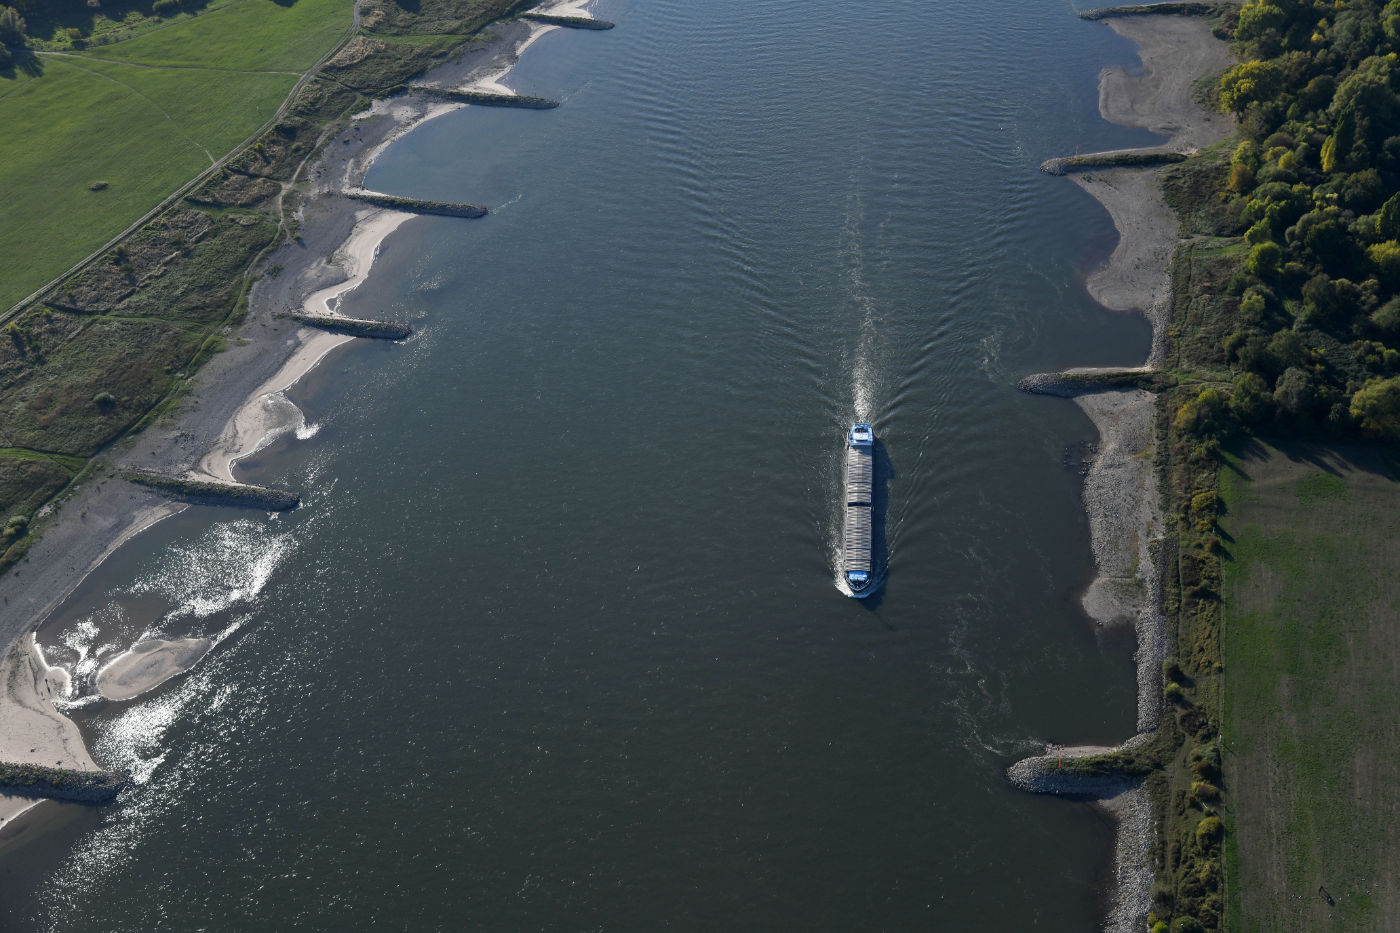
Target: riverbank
(1122,491)
(234,405)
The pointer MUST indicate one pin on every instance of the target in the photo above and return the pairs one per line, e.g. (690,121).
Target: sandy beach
(234,406)
(33,732)
(1121,492)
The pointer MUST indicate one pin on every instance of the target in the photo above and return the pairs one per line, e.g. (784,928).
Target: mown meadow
(97,137)
(1312,653)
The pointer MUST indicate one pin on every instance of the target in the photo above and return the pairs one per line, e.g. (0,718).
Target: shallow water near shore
(554,642)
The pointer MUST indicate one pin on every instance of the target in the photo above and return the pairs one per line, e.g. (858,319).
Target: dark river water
(555,642)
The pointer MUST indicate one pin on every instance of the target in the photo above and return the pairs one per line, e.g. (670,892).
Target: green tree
(1248,83)
(1295,394)
(1376,407)
(12,27)
(1256,19)
(1252,402)
(1386,257)
(1266,261)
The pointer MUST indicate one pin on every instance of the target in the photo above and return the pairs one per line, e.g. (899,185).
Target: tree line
(1315,181)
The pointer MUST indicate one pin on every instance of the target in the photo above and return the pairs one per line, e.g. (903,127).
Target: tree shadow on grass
(23,63)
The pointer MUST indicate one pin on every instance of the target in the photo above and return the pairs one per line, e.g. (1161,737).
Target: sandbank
(148,664)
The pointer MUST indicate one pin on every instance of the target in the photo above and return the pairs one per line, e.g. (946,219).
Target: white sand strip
(495,83)
(260,417)
(267,414)
(356,257)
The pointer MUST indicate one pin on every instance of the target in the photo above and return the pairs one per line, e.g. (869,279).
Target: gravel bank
(1121,491)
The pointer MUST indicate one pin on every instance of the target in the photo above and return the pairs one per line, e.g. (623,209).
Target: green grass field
(144,116)
(1312,686)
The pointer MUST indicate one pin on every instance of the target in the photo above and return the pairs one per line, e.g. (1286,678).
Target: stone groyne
(485,98)
(418,205)
(1133,158)
(206,492)
(356,327)
(1170,9)
(568,22)
(25,780)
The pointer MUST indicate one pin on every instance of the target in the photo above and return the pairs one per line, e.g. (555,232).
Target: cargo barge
(856,555)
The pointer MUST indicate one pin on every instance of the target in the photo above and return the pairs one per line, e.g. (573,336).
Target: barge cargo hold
(856,555)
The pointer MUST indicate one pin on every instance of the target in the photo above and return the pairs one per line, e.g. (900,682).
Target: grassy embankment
(143,116)
(107,348)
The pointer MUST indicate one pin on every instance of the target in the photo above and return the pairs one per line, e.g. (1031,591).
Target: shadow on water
(879,510)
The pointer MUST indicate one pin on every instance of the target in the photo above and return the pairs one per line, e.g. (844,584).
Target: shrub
(16,526)
(105,401)
(1204,790)
(164,8)
(1209,831)
(1187,925)
(1205,503)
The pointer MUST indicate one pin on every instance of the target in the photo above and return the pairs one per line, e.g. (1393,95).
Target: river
(555,642)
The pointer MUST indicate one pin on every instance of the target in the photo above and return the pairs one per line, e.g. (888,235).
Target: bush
(1209,831)
(165,8)
(1187,925)
(16,526)
(105,401)
(1205,503)
(1204,790)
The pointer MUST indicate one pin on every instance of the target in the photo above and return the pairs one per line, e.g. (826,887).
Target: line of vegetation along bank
(1288,320)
